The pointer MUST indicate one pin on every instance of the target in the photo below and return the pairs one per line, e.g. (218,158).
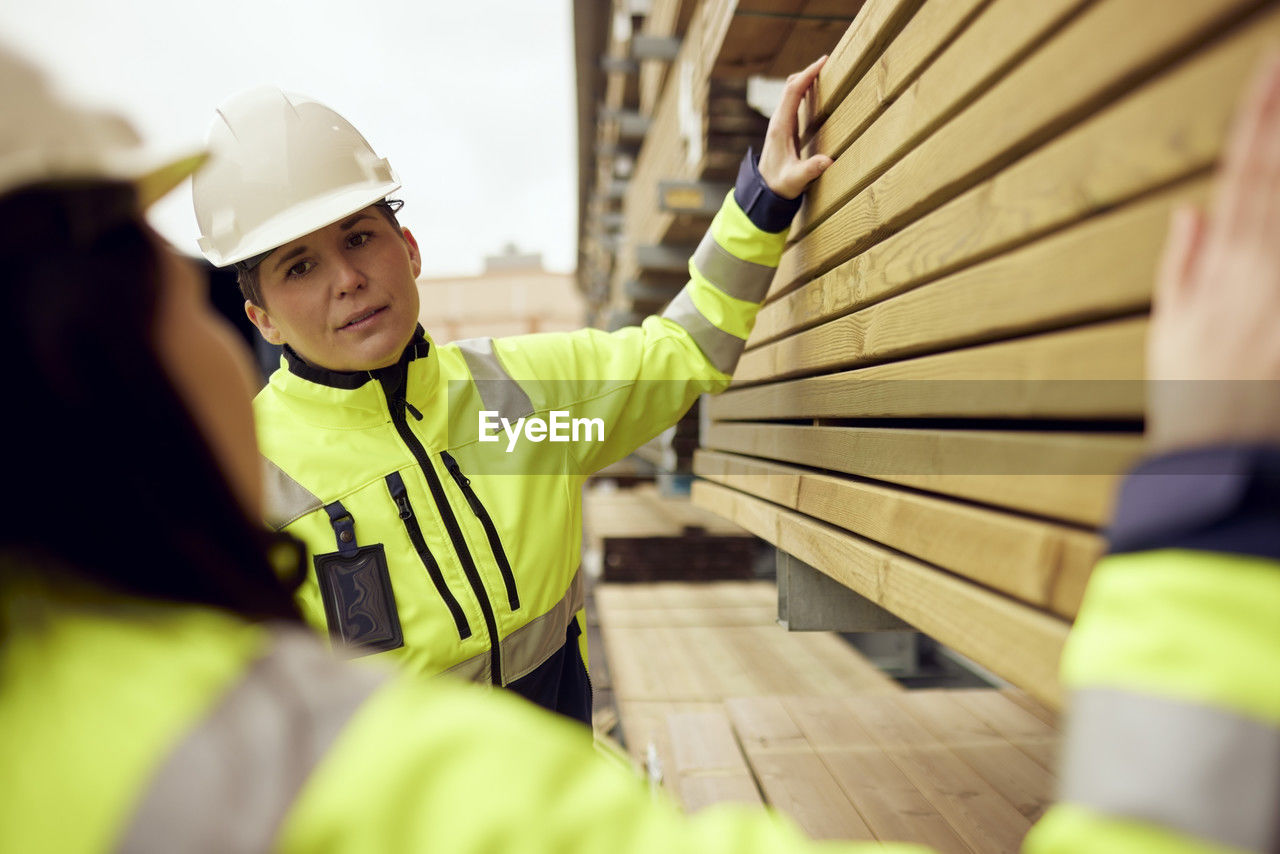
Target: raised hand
(780,163)
(1214,346)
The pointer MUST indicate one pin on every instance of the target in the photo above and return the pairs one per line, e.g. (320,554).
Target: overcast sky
(472,102)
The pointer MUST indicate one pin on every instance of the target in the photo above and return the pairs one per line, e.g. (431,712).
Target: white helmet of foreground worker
(46,137)
(283,165)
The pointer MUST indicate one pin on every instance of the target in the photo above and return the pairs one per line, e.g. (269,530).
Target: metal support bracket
(812,601)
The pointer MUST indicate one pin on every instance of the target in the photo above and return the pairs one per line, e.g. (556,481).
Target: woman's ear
(415,256)
(258,315)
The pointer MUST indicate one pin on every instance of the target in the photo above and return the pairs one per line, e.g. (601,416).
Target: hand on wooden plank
(1214,346)
(780,164)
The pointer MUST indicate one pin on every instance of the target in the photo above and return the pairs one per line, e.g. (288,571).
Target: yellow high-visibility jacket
(1173,737)
(482,538)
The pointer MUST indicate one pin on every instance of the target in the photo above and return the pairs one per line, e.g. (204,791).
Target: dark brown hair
(108,475)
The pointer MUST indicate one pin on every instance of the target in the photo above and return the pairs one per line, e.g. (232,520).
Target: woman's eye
(300,269)
(360,238)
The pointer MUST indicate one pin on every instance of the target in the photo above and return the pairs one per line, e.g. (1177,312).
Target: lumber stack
(672,129)
(946,380)
(641,535)
(728,707)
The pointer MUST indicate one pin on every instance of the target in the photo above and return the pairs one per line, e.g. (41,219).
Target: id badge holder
(355,585)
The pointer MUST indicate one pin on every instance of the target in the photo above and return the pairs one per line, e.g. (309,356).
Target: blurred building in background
(513,296)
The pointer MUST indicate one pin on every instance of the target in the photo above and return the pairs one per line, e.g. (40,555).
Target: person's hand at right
(1214,347)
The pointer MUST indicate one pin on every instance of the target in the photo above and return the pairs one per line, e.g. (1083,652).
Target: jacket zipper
(490,530)
(398,406)
(395,485)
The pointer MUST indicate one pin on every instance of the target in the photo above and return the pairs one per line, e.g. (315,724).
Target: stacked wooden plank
(728,707)
(946,380)
(696,125)
(641,535)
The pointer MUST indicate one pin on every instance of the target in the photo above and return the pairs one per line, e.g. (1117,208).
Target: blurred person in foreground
(157,691)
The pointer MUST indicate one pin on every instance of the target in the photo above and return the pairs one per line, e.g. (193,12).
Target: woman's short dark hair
(106,474)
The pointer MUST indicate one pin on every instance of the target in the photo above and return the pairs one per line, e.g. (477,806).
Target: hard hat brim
(156,183)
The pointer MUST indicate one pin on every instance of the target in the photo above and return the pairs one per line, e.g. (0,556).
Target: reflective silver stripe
(229,784)
(531,644)
(498,391)
(721,348)
(284,499)
(1189,768)
(745,280)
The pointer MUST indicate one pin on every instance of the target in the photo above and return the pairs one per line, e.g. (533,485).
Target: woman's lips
(362,320)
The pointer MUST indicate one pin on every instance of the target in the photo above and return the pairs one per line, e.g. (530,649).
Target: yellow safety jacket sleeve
(1173,738)
(441,768)
(638,381)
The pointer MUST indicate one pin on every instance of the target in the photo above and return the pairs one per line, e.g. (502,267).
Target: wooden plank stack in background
(730,707)
(694,126)
(639,535)
(947,377)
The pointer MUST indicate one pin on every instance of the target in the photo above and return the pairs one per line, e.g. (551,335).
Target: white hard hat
(283,165)
(45,137)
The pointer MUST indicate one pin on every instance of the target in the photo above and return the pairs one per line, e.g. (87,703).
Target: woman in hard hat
(433,474)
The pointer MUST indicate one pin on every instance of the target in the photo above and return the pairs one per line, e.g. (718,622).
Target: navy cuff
(1223,498)
(766,209)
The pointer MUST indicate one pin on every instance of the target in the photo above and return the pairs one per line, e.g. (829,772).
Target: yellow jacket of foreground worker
(135,726)
(143,727)
(460,469)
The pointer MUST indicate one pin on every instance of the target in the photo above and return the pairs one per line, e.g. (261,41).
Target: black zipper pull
(400,495)
(413,410)
(454,469)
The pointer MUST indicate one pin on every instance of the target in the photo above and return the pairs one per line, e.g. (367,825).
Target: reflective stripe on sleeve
(228,785)
(498,391)
(531,644)
(721,348)
(284,499)
(1189,768)
(744,280)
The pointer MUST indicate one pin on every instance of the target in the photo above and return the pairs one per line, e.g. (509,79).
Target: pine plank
(696,793)
(1004,715)
(1047,93)
(977,58)
(1042,563)
(926,33)
(1092,371)
(1017,642)
(763,724)
(890,804)
(703,743)
(979,814)
(1060,475)
(877,23)
(1019,779)
(1102,268)
(947,719)
(800,785)
(644,722)
(1172,127)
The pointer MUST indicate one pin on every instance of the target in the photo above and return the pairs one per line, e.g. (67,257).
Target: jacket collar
(418,347)
(354,399)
